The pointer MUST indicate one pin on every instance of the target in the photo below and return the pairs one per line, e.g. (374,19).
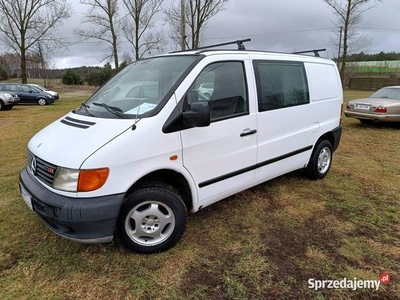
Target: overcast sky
(281,25)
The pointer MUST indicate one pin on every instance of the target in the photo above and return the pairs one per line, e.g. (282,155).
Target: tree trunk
(23,61)
(137,39)
(346,34)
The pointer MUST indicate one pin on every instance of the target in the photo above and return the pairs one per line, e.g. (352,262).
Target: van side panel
(287,127)
(326,95)
(324,82)
(288,135)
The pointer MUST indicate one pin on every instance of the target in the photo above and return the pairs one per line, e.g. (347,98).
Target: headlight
(66,179)
(7,95)
(71,180)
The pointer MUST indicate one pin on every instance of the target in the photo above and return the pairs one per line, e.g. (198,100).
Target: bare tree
(103,15)
(197,14)
(126,57)
(349,13)
(23,23)
(12,64)
(138,25)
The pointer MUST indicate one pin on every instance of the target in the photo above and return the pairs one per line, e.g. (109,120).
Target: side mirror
(198,115)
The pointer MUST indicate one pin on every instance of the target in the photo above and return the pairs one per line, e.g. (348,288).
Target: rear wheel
(152,219)
(41,101)
(320,161)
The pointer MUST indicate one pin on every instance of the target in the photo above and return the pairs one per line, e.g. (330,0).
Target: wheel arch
(333,136)
(330,137)
(327,136)
(171,178)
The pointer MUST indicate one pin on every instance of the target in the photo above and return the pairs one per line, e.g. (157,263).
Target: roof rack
(315,51)
(239,43)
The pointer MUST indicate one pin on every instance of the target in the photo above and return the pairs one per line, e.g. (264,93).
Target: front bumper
(87,220)
(372,117)
(12,101)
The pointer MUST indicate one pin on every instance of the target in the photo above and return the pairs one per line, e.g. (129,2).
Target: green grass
(263,243)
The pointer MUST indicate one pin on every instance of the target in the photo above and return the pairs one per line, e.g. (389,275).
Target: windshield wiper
(113,109)
(85,106)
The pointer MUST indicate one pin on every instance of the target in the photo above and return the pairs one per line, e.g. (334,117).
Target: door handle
(250,132)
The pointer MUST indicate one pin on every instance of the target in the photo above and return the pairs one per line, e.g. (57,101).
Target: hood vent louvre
(77,123)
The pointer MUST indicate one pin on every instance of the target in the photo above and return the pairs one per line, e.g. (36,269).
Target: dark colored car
(43,89)
(27,93)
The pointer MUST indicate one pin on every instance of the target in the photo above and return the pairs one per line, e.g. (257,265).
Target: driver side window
(223,86)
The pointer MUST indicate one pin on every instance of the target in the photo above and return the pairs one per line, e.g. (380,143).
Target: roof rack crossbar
(315,51)
(239,43)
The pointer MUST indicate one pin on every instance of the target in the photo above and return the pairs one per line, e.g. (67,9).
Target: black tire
(320,161)
(2,105)
(364,121)
(42,101)
(152,219)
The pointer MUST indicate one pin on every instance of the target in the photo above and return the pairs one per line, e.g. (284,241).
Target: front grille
(41,169)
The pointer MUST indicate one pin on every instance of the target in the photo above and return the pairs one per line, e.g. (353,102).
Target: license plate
(25,195)
(362,106)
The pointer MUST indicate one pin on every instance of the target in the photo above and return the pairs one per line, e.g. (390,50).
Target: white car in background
(206,89)
(43,89)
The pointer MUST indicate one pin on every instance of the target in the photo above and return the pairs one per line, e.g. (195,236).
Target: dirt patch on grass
(287,246)
(207,284)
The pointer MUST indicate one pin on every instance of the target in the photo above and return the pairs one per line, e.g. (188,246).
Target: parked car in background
(27,93)
(43,89)
(8,100)
(206,89)
(382,106)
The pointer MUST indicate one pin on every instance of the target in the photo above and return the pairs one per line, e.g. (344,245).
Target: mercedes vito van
(132,162)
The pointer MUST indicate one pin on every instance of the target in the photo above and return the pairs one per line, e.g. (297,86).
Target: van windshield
(140,90)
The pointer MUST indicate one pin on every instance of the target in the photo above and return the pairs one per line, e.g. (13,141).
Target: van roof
(208,50)
(266,54)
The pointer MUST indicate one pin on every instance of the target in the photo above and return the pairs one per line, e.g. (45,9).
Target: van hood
(70,140)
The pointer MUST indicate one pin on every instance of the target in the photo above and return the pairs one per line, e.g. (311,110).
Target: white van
(132,164)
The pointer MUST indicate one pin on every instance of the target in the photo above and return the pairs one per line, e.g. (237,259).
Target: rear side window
(280,84)
(9,87)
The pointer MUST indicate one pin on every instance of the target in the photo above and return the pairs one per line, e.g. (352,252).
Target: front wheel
(152,219)
(41,101)
(320,161)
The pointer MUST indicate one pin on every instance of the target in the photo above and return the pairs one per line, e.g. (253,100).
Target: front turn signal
(90,180)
